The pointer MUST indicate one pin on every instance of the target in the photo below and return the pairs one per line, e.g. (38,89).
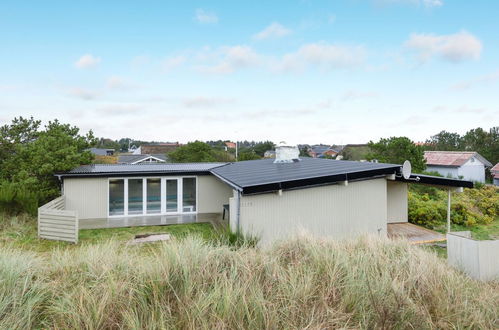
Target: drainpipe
(448,209)
(238,214)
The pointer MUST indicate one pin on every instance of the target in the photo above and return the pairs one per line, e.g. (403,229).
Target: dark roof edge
(317,181)
(130,174)
(436,180)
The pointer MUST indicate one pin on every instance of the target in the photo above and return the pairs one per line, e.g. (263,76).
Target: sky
(304,71)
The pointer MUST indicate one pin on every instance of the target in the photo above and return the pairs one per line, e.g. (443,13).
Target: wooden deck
(414,234)
(150,220)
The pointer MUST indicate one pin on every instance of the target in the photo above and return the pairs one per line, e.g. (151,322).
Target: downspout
(238,211)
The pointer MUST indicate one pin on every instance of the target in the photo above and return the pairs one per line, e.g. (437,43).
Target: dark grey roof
(129,169)
(263,175)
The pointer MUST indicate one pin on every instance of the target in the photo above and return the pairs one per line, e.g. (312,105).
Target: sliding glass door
(149,196)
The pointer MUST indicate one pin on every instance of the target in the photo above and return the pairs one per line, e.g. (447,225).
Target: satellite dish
(406,169)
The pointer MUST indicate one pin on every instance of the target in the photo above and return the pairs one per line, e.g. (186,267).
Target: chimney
(286,154)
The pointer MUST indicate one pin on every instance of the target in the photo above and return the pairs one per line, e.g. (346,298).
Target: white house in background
(468,165)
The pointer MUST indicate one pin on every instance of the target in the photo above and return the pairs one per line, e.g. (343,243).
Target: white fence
(56,223)
(479,259)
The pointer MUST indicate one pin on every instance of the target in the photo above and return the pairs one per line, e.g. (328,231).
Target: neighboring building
(269,154)
(495,174)
(230,145)
(321,151)
(102,151)
(272,199)
(141,159)
(468,165)
(156,148)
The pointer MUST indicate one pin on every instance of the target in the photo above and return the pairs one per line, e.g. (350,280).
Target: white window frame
(180,196)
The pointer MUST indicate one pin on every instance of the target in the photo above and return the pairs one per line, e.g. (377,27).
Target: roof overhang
(436,181)
(129,174)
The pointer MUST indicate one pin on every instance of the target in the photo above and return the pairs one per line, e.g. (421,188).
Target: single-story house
(268,198)
(140,159)
(495,174)
(321,151)
(468,165)
(102,151)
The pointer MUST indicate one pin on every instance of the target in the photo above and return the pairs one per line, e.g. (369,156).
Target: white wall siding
(476,258)
(87,196)
(445,171)
(212,194)
(472,170)
(333,211)
(55,223)
(396,202)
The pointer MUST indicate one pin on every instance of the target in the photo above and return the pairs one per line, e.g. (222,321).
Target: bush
(428,206)
(15,199)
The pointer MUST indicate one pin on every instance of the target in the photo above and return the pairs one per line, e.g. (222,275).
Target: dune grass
(194,283)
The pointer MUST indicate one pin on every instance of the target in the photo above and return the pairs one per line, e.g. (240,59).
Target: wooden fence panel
(56,223)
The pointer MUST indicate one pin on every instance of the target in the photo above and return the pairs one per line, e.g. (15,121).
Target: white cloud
(172,63)
(233,58)
(205,17)
(205,102)
(87,61)
(116,82)
(121,109)
(274,30)
(84,94)
(481,80)
(353,95)
(323,55)
(456,47)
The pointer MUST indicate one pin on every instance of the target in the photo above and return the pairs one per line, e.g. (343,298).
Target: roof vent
(286,154)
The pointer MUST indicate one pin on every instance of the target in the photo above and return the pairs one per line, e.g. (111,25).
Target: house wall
(89,196)
(396,201)
(333,211)
(212,194)
(443,170)
(473,170)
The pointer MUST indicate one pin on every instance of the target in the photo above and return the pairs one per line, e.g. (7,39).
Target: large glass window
(153,196)
(171,195)
(116,197)
(135,196)
(189,194)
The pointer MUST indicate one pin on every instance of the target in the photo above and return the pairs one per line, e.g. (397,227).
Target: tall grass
(189,283)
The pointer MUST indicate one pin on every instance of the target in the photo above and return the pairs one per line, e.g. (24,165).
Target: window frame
(163,211)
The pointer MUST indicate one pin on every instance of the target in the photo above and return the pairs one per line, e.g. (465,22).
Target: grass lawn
(21,232)
(478,231)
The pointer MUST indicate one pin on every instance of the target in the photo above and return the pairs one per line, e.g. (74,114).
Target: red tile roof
(448,158)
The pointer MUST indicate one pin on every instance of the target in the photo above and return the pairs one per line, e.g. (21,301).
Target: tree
(260,147)
(247,155)
(444,141)
(396,150)
(193,152)
(31,156)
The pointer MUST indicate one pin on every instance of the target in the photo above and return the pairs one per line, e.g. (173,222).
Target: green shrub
(428,206)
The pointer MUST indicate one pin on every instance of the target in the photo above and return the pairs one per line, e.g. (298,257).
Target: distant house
(269,154)
(469,165)
(495,174)
(321,151)
(230,145)
(102,151)
(156,148)
(141,159)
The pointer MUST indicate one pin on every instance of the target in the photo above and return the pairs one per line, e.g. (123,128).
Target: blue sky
(296,71)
